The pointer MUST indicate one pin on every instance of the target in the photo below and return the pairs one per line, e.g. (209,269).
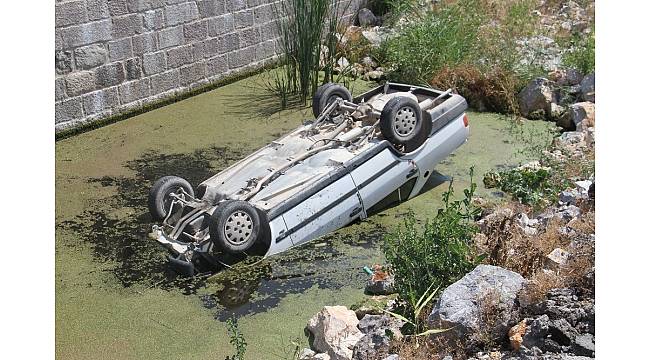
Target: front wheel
(234,226)
(326,94)
(160,195)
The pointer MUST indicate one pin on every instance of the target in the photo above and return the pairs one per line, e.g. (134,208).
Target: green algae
(115,297)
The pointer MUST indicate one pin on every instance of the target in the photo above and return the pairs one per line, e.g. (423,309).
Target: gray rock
(571,141)
(536,98)
(588,88)
(306,354)
(373,75)
(566,77)
(90,56)
(556,259)
(87,33)
(584,345)
(459,305)
(79,82)
(378,331)
(381,287)
(109,75)
(366,18)
(392,357)
(578,116)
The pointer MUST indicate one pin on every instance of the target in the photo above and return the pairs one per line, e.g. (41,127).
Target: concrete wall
(113,56)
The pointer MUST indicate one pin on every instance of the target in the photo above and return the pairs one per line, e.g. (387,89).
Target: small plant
(530,185)
(236,340)
(435,256)
(583,56)
(414,319)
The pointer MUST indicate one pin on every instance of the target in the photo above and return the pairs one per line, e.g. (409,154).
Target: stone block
(244,19)
(144,43)
(100,100)
(170,37)
(97,9)
(58,40)
(228,43)
(165,81)
(179,56)
(242,57)
(154,63)
(59,89)
(79,82)
(234,5)
(154,19)
(133,68)
(195,31)
(221,25)
(117,7)
(248,37)
(86,34)
(63,62)
(88,57)
(109,75)
(263,14)
(127,25)
(142,5)
(120,49)
(181,13)
(134,90)
(217,65)
(67,110)
(70,13)
(192,73)
(210,8)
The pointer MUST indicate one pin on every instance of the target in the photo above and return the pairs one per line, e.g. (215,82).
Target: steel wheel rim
(238,228)
(405,121)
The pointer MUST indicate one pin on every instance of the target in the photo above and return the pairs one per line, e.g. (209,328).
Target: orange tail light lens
(465,120)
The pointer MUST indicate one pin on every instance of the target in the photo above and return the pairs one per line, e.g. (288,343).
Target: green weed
(236,340)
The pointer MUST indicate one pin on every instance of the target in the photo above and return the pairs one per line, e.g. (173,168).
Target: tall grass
(304,25)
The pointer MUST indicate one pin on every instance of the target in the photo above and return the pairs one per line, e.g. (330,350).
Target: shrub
(531,185)
(583,56)
(438,254)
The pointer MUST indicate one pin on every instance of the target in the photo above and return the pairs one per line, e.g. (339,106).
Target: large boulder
(580,116)
(379,330)
(535,99)
(566,77)
(335,332)
(588,88)
(462,306)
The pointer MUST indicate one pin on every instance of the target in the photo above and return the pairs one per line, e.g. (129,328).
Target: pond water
(115,296)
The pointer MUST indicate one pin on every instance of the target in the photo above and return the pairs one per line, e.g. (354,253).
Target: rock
(556,259)
(583,186)
(536,98)
(381,287)
(516,333)
(566,77)
(557,112)
(379,330)
(376,35)
(306,354)
(335,331)
(588,88)
(366,18)
(590,137)
(571,141)
(584,345)
(460,308)
(579,116)
(373,75)
(321,356)
(391,357)
(569,197)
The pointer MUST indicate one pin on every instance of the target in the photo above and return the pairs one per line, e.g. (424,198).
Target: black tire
(403,124)
(159,199)
(234,226)
(327,93)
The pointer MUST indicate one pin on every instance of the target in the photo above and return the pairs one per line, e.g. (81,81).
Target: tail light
(465,120)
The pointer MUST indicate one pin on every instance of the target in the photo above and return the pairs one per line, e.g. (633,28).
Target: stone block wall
(113,56)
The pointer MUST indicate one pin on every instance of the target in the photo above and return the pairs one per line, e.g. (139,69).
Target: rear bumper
(177,247)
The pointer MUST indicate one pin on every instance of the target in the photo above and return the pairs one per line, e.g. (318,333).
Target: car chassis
(356,158)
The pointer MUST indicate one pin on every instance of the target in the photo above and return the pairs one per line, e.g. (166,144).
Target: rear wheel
(326,94)
(403,124)
(160,195)
(234,226)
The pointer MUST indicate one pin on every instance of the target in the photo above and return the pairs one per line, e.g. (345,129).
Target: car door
(329,209)
(381,175)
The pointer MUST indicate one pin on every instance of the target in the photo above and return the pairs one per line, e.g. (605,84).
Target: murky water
(115,296)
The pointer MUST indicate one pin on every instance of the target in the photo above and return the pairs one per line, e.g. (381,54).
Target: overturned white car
(357,157)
